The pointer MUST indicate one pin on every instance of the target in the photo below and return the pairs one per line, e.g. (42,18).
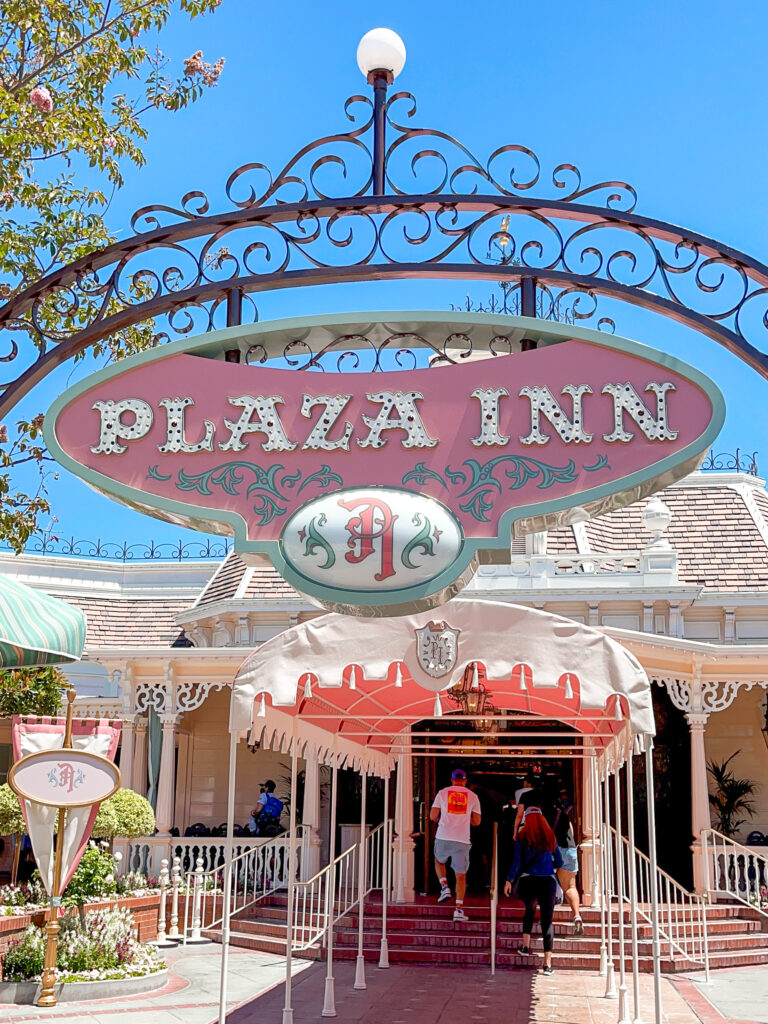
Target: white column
(166,785)
(699,794)
(404,882)
(590,844)
(139,770)
(127,746)
(310,818)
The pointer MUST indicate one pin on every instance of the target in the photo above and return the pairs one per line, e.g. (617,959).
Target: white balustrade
(163,883)
(173,932)
(736,871)
(258,870)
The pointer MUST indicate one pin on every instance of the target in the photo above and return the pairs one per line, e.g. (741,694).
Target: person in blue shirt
(534,863)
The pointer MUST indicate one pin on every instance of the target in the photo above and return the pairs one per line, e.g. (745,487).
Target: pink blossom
(41,99)
(110,142)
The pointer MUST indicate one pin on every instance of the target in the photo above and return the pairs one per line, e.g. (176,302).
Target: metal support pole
(654,880)
(52,927)
(610,986)
(387,854)
(288,1008)
(361,867)
(329,998)
(234,308)
(528,308)
(227,878)
(603,890)
(380,80)
(633,893)
(623,1017)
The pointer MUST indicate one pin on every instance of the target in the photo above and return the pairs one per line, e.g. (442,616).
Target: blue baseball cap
(458,773)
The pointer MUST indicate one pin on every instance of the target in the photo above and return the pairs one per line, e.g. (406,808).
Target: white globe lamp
(381,49)
(656,518)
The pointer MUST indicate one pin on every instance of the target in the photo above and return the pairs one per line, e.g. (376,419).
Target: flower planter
(27,992)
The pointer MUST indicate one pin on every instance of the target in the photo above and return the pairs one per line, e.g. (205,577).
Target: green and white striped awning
(36,629)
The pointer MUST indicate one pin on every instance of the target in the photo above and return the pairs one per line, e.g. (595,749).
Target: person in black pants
(534,863)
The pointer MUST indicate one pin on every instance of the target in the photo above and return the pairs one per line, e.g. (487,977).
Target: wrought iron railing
(116,551)
(730,462)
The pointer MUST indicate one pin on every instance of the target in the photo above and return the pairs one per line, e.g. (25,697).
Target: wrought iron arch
(386,200)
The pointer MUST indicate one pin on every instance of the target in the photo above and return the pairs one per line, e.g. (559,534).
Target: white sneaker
(578,926)
(445,894)
(459,915)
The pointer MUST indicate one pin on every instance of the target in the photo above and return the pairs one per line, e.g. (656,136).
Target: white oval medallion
(64,778)
(371,540)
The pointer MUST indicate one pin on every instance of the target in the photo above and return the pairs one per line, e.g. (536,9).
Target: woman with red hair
(534,863)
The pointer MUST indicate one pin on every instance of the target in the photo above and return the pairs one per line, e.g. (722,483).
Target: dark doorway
(672,776)
(497,781)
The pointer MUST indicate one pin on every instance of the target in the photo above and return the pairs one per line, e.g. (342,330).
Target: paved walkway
(738,994)
(406,995)
(191,995)
(452,995)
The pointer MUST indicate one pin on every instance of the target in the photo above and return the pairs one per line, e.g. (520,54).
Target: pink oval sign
(64,778)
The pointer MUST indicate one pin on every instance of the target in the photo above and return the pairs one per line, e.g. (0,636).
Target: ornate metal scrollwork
(447,215)
(121,551)
(730,461)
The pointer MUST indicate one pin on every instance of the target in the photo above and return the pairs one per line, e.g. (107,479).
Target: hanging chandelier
(473,698)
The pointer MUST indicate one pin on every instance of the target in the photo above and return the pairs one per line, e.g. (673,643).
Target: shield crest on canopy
(437,648)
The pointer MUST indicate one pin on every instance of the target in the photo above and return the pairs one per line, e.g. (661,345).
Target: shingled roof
(719,543)
(114,622)
(236,581)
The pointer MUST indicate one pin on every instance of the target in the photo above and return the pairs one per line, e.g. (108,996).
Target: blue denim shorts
(457,853)
(570,857)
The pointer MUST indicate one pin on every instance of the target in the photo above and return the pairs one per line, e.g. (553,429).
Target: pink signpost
(64,778)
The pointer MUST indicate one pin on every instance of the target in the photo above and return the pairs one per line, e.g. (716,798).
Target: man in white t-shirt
(455,809)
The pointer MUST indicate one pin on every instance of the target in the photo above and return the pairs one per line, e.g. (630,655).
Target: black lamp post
(381,58)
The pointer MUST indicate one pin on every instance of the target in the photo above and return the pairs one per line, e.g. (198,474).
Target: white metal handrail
(257,872)
(312,914)
(730,869)
(682,914)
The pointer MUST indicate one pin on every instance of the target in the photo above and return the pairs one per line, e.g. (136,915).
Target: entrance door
(496,780)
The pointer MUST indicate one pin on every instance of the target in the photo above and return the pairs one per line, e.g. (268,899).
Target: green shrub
(125,814)
(93,879)
(11,818)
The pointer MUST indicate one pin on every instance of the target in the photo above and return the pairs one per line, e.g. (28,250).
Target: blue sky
(670,97)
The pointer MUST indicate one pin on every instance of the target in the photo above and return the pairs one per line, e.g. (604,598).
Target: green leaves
(76,86)
(31,691)
(732,796)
